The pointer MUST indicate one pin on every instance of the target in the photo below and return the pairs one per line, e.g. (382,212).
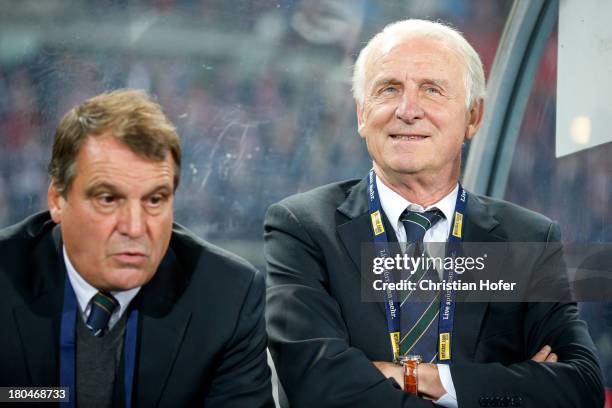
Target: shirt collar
(394,204)
(85,292)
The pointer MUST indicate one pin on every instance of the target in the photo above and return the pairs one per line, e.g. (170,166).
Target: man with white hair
(419,90)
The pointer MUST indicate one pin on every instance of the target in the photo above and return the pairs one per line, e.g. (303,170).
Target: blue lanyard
(446,317)
(382,250)
(447,302)
(68,349)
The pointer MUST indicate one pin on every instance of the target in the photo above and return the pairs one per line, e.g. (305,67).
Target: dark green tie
(419,310)
(102,306)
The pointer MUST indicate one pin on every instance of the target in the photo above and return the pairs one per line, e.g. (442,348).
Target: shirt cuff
(448,400)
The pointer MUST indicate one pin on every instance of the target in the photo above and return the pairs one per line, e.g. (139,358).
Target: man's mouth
(409,137)
(130,256)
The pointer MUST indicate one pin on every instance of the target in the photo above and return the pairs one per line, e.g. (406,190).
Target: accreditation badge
(445,352)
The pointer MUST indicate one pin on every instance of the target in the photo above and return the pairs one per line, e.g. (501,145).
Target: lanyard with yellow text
(447,302)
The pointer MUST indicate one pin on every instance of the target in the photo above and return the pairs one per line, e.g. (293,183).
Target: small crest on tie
(377,224)
(458,227)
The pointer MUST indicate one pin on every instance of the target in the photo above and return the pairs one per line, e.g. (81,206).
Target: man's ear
(360,119)
(474,119)
(56,202)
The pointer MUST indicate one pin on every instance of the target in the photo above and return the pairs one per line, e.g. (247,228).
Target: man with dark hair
(419,91)
(105,295)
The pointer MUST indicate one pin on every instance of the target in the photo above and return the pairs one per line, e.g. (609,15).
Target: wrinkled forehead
(107,152)
(413,47)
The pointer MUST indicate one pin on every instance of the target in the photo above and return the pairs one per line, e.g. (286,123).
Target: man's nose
(131,220)
(409,109)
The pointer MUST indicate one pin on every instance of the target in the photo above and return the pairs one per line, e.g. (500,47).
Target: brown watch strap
(411,377)
(411,382)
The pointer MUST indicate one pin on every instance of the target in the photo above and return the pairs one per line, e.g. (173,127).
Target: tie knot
(102,306)
(417,223)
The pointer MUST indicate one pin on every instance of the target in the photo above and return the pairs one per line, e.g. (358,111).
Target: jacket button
(516,401)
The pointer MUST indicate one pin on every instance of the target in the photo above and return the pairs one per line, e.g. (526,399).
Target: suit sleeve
(243,377)
(573,381)
(309,340)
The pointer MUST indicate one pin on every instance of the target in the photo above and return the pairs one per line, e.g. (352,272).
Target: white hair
(402,31)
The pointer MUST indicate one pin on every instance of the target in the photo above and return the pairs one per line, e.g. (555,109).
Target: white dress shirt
(85,292)
(394,205)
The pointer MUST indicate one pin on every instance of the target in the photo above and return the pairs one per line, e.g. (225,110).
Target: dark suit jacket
(323,337)
(201,334)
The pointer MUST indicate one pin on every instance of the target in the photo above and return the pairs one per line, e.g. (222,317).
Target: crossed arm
(318,366)
(430,386)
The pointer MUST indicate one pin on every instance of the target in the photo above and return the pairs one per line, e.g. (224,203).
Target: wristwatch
(411,377)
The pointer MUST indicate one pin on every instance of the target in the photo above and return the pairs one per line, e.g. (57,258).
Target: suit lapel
(480,226)
(357,230)
(38,322)
(38,326)
(162,327)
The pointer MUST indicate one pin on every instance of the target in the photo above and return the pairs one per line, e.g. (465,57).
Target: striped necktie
(419,309)
(102,306)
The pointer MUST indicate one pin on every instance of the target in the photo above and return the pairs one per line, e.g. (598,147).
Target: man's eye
(155,200)
(106,199)
(431,90)
(389,89)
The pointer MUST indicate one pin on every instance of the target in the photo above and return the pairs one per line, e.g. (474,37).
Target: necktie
(419,310)
(102,306)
